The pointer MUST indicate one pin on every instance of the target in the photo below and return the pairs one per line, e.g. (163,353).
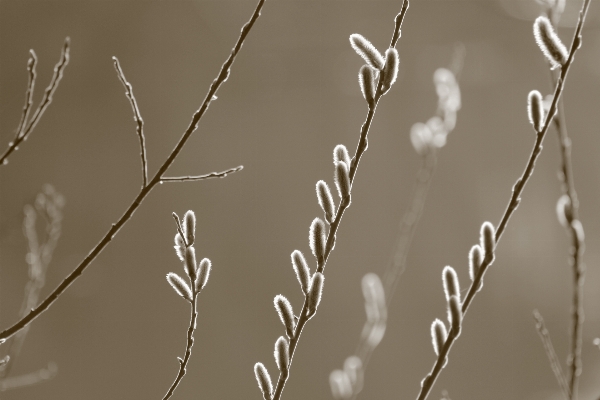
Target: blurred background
(291,97)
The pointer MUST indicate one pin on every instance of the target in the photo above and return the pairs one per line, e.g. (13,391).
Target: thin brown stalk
(139,122)
(211,175)
(577,247)
(188,349)
(25,127)
(552,357)
(429,380)
(115,227)
(361,148)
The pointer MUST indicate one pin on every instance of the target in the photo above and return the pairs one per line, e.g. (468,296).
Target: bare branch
(211,175)
(137,117)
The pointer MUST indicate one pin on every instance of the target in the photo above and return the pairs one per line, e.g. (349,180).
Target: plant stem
(361,148)
(217,82)
(188,348)
(429,380)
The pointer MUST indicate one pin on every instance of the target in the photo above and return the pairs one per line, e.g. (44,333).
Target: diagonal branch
(25,128)
(137,118)
(115,227)
(429,380)
(552,357)
(321,262)
(211,175)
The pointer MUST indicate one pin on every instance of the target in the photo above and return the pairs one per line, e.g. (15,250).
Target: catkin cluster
(197,273)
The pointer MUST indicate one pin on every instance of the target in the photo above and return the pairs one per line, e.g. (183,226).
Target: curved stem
(217,82)
(429,380)
(188,349)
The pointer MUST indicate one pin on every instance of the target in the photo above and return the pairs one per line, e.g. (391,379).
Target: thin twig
(114,229)
(362,146)
(577,246)
(188,348)
(139,122)
(211,175)
(552,358)
(23,133)
(429,380)
(31,64)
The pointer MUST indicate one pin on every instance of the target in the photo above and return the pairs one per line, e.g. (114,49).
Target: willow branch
(188,349)
(25,128)
(211,175)
(137,117)
(361,148)
(115,227)
(514,201)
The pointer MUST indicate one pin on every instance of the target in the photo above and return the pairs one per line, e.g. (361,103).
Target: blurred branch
(554,363)
(429,380)
(31,378)
(574,228)
(137,118)
(115,227)
(48,206)
(25,128)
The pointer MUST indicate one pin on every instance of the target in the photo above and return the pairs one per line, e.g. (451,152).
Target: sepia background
(291,97)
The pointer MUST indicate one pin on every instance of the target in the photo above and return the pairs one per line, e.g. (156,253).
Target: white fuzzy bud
(189,227)
(549,42)
(264,380)
(438,335)
(317,239)
(302,270)
(535,110)
(390,70)
(286,314)
(325,201)
(202,274)
(179,285)
(455,315)
(366,79)
(367,51)
(342,182)
(314,293)
(282,354)
(488,241)
(190,262)
(340,153)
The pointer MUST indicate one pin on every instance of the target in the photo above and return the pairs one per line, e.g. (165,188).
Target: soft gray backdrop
(292,96)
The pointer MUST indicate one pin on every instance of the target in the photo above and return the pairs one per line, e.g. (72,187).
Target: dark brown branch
(211,175)
(25,128)
(139,122)
(114,229)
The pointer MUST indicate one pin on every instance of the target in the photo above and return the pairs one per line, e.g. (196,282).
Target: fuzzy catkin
(455,315)
(325,201)
(189,227)
(314,293)
(367,51)
(340,153)
(549,42)
(342,181)
(438,335)
(390,70)
(488,240)
(564,211)
(286,314)
(474,261)
(264,380)
(317,239)
(202,274)
(301,269)
(535,110)
(451,286)
(366,80)
(179,247)
(190,262)
(282,354)
(179,285)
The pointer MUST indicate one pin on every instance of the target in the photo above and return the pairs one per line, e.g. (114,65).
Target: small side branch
(554,363)
(137,118)
(25,127)
(211,175)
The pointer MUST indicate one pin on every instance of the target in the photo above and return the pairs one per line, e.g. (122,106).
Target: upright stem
(428,382)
